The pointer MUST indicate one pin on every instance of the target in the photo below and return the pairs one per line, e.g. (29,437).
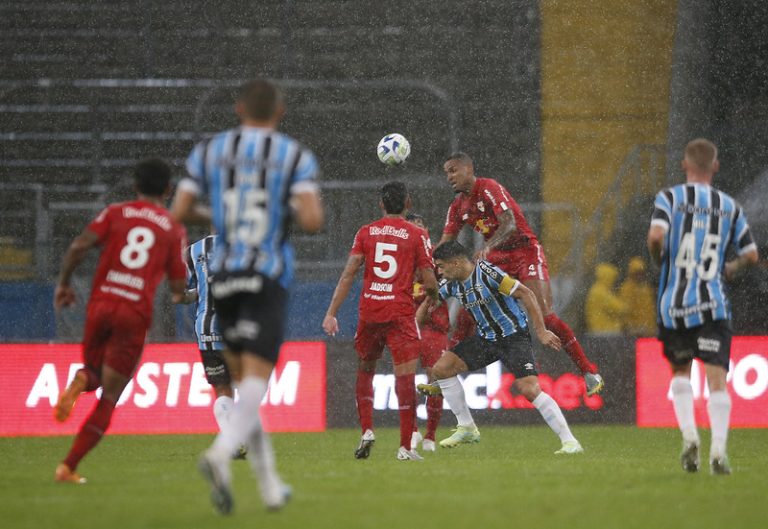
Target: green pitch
(627,478)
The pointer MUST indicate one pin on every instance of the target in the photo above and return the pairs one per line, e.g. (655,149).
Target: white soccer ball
(393,149)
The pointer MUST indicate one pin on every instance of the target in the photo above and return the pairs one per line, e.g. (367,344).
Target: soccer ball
(393,149)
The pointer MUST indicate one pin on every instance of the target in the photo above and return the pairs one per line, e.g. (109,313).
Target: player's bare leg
(69,396)
(543,291)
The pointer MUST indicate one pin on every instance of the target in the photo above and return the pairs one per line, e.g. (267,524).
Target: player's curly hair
(394,196)
(152,177)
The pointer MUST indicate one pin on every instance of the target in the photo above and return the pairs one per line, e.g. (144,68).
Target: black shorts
(251,310)
(514,351)
(710,343)
(216,371)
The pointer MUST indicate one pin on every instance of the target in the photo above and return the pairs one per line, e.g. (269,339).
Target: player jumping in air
(487,207)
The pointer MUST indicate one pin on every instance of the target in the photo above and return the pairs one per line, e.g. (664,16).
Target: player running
(140,243)
(492,298)
(392,251)
(487,207)
(210,342)
(256,180)
(692,227)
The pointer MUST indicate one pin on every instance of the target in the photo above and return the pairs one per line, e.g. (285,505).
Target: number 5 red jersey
(140,243)
(393,250)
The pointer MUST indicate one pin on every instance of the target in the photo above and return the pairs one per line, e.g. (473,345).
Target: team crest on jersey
(481,206)
(481,227)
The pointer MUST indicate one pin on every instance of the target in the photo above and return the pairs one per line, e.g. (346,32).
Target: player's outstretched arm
(308,211)
(65,294)
(330,325)
(528,298)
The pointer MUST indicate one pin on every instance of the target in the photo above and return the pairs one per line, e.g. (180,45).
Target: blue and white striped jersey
(701,222)
(197,257)
(249,175)
(495,313)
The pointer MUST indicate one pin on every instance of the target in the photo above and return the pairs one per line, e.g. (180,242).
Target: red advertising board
(168,393)
(747,384)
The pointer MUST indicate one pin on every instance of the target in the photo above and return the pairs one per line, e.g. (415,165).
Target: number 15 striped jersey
(249,175)
(701,223)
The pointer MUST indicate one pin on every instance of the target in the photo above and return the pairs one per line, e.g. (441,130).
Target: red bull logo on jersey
(401,233)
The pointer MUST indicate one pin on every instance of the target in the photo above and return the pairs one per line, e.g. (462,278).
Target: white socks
(453,393)
(244,420)
(553,416)
(719,408)
(682,400)
(222,407)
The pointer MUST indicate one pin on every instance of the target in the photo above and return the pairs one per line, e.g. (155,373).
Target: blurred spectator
(604,310)
(16,264)
(637,292)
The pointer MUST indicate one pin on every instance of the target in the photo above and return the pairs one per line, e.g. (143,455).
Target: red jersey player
(486,206)
(434,340)
(140,244)
(392,251)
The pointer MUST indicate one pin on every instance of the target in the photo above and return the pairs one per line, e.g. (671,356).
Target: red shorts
(522,263)
(114,336)
(433,343)
(401,336)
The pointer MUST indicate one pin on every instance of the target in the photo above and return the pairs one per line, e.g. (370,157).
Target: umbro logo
(528,365)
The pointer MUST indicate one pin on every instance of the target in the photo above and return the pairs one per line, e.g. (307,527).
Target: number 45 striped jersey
(701,224)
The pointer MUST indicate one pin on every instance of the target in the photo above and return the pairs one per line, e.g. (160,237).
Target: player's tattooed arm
(507,226)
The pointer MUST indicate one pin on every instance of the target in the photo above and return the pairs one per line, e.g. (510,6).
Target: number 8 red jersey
(393,250)
(140,245)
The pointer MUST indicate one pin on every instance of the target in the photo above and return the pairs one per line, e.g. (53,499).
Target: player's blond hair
(701,154)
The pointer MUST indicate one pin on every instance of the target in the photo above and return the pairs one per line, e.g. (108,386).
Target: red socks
(434,410)
(364,398)
(570,343)
(405,390)
(90,432)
